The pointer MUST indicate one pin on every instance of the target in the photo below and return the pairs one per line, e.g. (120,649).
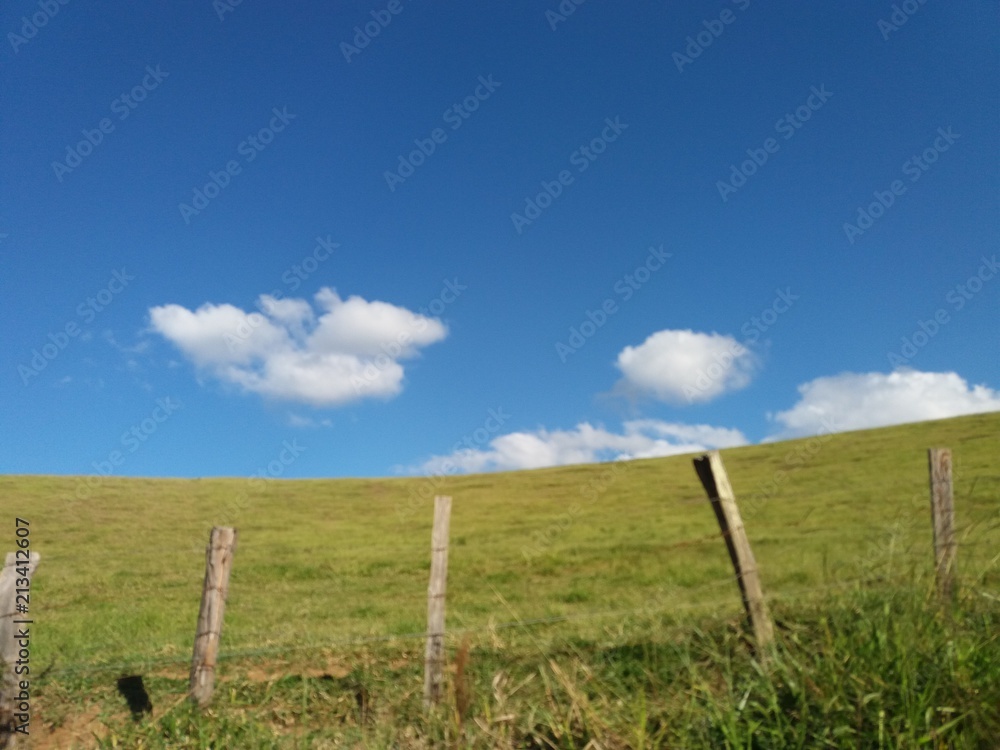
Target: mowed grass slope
(323,564)
(328,559)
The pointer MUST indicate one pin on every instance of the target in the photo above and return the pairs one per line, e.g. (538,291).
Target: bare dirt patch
(77,732)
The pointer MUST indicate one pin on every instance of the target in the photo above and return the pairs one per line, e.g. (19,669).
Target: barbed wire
(902,548)
(907,555)
(455,600)
(706,540)
(133,662)
(327,643)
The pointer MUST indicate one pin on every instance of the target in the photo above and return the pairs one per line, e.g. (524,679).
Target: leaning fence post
(12,623)
(943,518)
(218,564)
(712,474)
(434,655)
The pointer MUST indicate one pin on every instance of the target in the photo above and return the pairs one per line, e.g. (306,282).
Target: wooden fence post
(434,655)
(12,621)
(218,564)
(943,518)
(712,474)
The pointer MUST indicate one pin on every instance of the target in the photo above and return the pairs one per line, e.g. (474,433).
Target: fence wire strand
(900,550)
(241,653)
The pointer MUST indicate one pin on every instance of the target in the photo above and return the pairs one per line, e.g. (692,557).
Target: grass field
(598,603)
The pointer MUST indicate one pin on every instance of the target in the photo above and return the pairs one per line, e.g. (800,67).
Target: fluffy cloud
(646,438)
(854,401)
(685,366)
(347,350)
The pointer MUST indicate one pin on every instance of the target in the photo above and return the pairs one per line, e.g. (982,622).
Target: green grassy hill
(548,570)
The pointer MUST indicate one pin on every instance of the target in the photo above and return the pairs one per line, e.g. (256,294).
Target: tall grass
(872,668)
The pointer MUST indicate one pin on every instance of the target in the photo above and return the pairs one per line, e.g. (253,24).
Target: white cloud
(855,401)
(351,350)
(685,366)
(361,328)
(646,438)
(297,420)
(109,336)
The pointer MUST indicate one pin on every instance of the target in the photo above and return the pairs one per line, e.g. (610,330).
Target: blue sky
(366,239)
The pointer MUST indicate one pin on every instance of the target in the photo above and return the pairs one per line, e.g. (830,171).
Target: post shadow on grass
(134,693)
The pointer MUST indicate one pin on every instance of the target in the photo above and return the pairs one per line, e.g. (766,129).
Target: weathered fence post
(434,655)
(11,623)
(943,518)
(712,474)
(218,564)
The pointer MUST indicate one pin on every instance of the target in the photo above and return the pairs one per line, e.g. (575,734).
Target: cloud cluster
(336,351)
(855,401)
(849,401)
(343,351)
(645,438)
(683,366)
